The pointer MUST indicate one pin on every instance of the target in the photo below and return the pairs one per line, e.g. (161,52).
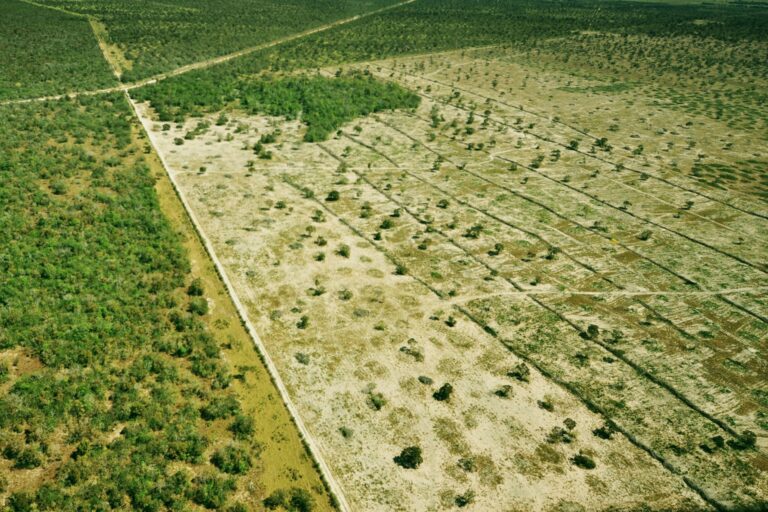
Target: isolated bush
(497,248)
(591,333)
(462,500)
(376,401)
(59,187)
(444,393)
(303,322)
(333,195)
(604,432)
(546,404)
(343,251)
(583,461)
(467,464)
(409,458)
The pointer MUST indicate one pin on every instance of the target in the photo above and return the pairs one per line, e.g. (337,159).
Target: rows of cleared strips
(325,206)
(546,190)
(700,229)
(636,250)
(681,184)
(567,343)
(684,157)
(603,271)
(673,372)
(727,344)
(673,183)
(563,273)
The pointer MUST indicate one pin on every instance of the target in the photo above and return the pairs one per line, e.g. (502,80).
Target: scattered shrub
(583,461)
(520,372)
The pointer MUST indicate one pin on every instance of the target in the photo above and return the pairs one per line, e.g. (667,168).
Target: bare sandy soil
(482,237)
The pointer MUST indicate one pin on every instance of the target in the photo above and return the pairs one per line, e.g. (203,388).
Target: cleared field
(475,234)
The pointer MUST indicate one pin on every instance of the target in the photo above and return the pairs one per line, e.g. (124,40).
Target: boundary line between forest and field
(334,488)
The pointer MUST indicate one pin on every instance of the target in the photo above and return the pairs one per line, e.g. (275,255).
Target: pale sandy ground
(265,231)
(516,468)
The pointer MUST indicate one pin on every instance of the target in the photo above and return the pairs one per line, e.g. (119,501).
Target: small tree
(195,288)
(409,458)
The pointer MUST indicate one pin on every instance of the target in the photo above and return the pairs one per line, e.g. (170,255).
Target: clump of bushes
(242,426)
(220,407)
(295,500)
(212,491)
(232,459)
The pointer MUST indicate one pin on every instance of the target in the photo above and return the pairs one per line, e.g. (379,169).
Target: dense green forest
(108,379)
(531,26)
(160,36)
(324,104)
(34,63)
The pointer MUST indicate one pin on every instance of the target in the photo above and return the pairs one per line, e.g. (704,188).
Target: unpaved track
(334,486)
(325,470)
(195,65)
(617,293)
